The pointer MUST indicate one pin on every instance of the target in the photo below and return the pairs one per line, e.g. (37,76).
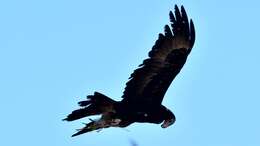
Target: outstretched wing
(150,81)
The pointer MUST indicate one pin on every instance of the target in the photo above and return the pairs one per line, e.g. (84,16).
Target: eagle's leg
(91,126)
(105,121)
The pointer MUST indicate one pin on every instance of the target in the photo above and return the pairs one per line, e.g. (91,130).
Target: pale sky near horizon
(55,52)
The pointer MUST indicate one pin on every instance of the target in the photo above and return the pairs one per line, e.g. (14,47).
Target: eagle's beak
(167,123)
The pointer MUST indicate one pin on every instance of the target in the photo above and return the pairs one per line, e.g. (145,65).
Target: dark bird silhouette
(147,85)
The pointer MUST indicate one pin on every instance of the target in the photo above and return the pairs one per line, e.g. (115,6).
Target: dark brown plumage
(147,85)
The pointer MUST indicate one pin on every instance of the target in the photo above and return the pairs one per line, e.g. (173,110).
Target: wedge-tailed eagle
(147,85)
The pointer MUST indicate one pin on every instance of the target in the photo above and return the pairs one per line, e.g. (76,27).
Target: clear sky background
(55,52)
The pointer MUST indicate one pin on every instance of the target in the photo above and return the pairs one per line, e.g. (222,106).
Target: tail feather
(83,112)
(84,103)
(94,105)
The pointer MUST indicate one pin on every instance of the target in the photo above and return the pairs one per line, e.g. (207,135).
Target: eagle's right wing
(150,81)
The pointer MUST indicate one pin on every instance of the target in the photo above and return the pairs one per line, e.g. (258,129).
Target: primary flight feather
(147,85)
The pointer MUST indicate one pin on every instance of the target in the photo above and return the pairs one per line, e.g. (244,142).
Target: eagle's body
(147,85)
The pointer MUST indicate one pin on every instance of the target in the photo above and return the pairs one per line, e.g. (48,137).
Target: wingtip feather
(172,18)
(177,13)
(167,31)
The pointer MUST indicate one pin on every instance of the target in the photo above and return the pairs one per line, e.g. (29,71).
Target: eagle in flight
(147,85)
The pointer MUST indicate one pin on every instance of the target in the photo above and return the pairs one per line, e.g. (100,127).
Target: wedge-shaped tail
(94,105)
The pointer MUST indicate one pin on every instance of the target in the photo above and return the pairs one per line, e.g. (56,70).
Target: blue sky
(54,53)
